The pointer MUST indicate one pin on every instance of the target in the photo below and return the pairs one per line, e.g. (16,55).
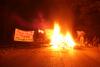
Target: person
(80,37)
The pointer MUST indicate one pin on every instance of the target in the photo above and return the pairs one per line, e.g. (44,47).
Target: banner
(24,36)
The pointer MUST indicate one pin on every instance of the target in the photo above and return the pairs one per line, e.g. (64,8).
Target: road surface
(49,57)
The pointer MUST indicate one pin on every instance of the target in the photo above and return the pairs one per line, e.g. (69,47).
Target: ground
(48,57)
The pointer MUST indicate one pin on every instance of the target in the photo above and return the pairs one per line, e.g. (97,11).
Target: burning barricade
(58,40)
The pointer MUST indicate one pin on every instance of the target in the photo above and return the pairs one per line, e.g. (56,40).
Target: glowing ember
(58,40)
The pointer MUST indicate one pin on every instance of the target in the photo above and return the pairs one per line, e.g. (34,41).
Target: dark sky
(49,8)
(32,7)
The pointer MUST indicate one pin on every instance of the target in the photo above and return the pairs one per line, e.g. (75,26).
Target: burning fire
(69,40)
(59,40)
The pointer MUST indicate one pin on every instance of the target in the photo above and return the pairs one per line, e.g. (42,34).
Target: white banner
(26,36)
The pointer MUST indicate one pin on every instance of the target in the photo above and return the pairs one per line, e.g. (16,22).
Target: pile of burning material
(58,40)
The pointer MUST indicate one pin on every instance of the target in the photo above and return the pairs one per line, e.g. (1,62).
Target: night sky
(76,14)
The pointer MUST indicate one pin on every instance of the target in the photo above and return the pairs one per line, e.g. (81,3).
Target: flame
(69,40)
(59,40)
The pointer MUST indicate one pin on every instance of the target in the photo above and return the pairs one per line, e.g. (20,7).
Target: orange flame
(69,40)
(58,40)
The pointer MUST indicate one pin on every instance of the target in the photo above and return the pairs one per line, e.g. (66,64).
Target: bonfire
(58,40)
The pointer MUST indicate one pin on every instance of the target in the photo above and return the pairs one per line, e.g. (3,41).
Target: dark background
(80,14)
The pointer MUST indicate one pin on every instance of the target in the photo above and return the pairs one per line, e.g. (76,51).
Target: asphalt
(49,57)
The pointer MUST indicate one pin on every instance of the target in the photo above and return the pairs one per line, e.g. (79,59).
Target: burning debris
(60,40)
